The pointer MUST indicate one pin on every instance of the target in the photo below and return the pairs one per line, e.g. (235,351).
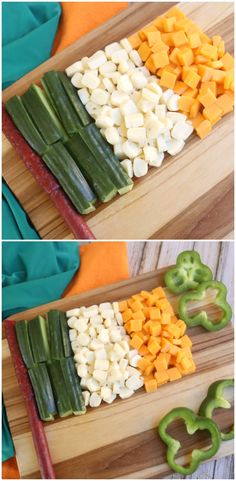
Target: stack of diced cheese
(104,359)
(135,116)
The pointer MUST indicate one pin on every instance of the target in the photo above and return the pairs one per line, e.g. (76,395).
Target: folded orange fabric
(101,263)
(79,18)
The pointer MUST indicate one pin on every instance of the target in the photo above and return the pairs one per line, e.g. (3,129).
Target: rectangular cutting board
(120,440)
(190,196)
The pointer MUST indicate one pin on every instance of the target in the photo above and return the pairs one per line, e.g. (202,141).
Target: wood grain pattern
(95,456)
(194,180)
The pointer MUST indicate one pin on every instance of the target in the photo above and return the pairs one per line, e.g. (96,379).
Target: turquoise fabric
(33,273)
(28,31)
(15,222)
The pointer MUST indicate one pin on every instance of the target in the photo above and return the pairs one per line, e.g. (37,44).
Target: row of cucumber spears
(53,120)
(46,351)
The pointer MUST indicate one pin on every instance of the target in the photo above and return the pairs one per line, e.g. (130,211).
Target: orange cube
(218,75)
(227,61)
(185,363)
(168,80)
(153,37)
(149,370)
(213,113)
(161,377)
(203,128)
(150,65)
(174,56)
(147,326)
(143,364)
(150,357)
(225,103)
(127,315)
(209,51)
(173,374)
(154,347)
(136,342)
(191,93)
(139,315)
(185,103)
(143,350)
(159,47)
(165,345)
(174,330)
(166,318)
(179,38)
(182,326)
(150,385)
(144,32)
(175,12)
(122,306)
(155,328)
(194,40)
(136,325)
(155,313)
(168,24)
(160,363)
(180,87)
(144,51)
(185,57)
(186,341)
(160,59)
(192,79)
(197,120)
(135,41)
(207,98)
(208,85)
(135,305)
(159,292)
(196,107)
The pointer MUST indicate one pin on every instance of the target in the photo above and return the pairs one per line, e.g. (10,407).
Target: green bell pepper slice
(193,423)
(215,399)
(201,318)
(188,273)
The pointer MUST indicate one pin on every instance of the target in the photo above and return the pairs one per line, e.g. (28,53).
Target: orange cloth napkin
(101,263)
(79,18)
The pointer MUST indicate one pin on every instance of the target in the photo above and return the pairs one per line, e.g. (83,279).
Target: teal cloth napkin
(15,222)
(33,273)
(28,31)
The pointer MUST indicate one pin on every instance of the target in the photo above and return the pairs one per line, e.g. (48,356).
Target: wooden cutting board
(190,196)
(120,440)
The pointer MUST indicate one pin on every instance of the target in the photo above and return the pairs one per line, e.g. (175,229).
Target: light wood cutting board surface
(120,440)
(190,196)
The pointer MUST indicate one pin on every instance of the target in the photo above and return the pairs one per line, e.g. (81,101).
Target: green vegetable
(74,98)
(43,391)
(106,158)
(60,162)
(91,169)
(38,335)
(188,273)
(55,335)
(65,335)
(22,335)
(62,104)
(193,423)
(23,122)
(58,384)
(215,399)
(201,318)
(43,115)
(72,385)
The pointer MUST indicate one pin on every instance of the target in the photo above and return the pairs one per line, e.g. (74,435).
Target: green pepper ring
(193,423)
(215,399)
(188,273)
(201,318)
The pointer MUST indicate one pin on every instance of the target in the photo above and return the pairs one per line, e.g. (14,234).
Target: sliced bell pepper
(193,423)
(215,399)
(188,273)
(201,318)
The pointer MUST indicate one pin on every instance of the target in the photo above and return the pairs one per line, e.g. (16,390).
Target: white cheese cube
(112,135)
(134,361)
(140,167)
(149,95)
(82,370)
(83,339)
(90,311)
(80,358)
(128,107)
(84,63)
(161,143)
(86,396)
(181,130)
(108,85)
(108,67)
(92,331)
(115,335)
(131,149)
(118,350)
(76,80)
(81,324)
(124,344)
(97,60)
(90,80)
(101,364)
(100,96)
(83,382)
(126,44)
(100,376)
(133,371)
(118,97)
(90,356)
(84,95)
(132,353)
(118,55)
(100,355)
(173,103)
(71,321)
(75,67)
(104,306)
(96,344)
(175,146)
(145,105)
(107,313)
(95,400)
(135,57)
(116,387)
(116,116)
(103,336)
(72,334)
(125,393)
(73,312)
(110,49)
(124,84)
(123,364)
(118,315)
(176,116)
(137,135)
(153,85)
(107,322)
(118,151)
(75,346)
(134,383)
(104,121)
(134,120)
(161,111)
(138,79)
(166,96)
(157,161)
(96,320)
(93,385)
(123,67)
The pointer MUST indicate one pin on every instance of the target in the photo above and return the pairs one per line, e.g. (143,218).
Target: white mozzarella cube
(92,331)
(135,57)
(104,121)
(92,109)
(125,393)
(71,321)
(123,364)
(80,358)
(110,49)
(108,85)
(119,350)
(75,346)
(128,166)
(116,116)
(119,316)
(73,312)
(176,116)
(100,376)
(123,67)
(101,364)
(86,396)
(161,143)
(118,151)
(134,361)
(124,344)
(133,371)
(92,384)
(116,387)
(126,44)
(81,324)
(146,106)
(150,95)
(90,80)
(134,120)
(128,107)
(134,383)
(75,67)
(166,96)
(140,167)
(181,130)
(82,370)
(115,335)
(95,400)
(112,135)
(137,135)
(76,80)
(161,111)
(119,55)
(100,96)
(153,85)
(124,84)
(90,356)
(97,60)
(84,95)
(173,103)
(96,320)
(131,149)
(108,67)
(101,354)
(138,79)
(83,339)
(175,146)
(103,336)
(72,334)
(118,97)
(83,382)
(96,344)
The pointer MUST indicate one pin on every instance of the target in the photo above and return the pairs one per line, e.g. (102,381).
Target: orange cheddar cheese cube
(144,32)
(127,315)
(194,40)
(186,341)
(192,79)
(225,103)
(136,325)
(213,113)
(173,374)
(207,98)
(153,37)
(160,59)
(143,364)
(227,61)
(135,41)
(122,306)
(159,292)
(179,38)
(154,347)
(151,385)
(161,377)
(136,342)
(203,128)
(160,363)
(144,51)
